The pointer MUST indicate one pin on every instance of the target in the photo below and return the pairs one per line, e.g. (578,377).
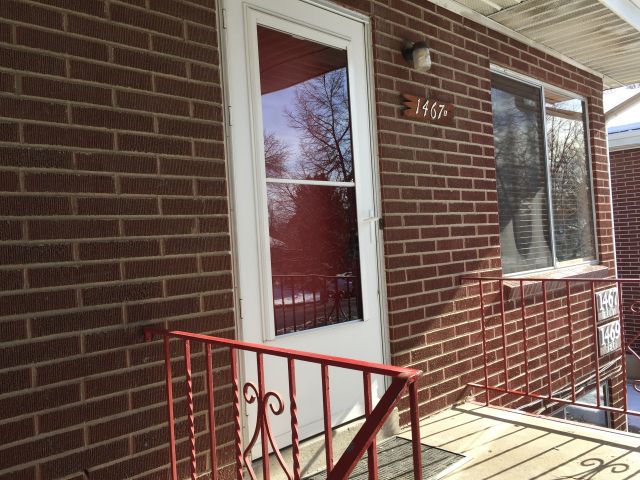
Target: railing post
(326,406)
(190,421)
(415,430)
(546,336)
(372,458)
(484,344)
(293,409)
(212,418)
(169,385)
(233,358)
(595,341)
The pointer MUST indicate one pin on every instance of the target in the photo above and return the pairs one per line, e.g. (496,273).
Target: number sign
(607,303)
(609,339)
(428,110)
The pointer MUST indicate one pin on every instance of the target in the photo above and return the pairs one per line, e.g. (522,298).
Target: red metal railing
(521,318)
(303,302)
(402,379)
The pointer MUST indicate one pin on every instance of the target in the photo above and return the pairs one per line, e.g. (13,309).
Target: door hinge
(224,18)
(229,116)
(240,308)
(381,223)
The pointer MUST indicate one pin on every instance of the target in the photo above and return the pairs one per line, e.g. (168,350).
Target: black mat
(395,461)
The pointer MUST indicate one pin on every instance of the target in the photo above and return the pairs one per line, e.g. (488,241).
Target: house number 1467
(436,111)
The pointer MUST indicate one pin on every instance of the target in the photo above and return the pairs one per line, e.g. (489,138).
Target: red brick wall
(625,185)
(114,214)
(438,183)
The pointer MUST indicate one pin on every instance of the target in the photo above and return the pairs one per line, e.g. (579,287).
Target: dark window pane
(315,261)
(305,108)
(570,177)
(521,176)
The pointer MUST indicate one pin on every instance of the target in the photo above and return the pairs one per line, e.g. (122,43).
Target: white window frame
(542,86)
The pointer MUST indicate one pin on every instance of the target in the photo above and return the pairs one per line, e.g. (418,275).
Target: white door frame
(373,167)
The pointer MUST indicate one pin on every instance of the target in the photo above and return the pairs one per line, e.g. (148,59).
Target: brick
(202,283)
(31,14)
(27,205)
(162,309)
(78,368)
(160,226)
(11,279)
(152,103)
(187,89)
(107,31)
(31,62)
(53,276)
(185,128)
(196,168)
(186,206)
(201,34)
(110,75)
(118,249)
(37,302)
(121,293)
(61,43)
(23,404)
(182,49)
(197,245)
(76,137)
(18,430)
(37,352)
(146,20)
(149,61)
(64,90)
(43,326)
(85,412)
(7,82)
(85,460)
(41,448)
(9,181)
(139,143)
(9,132)
(49,182)
(112,119)
(35,157)
(117,206)
(116,163)
(160,267)
(156,186)
(185,11)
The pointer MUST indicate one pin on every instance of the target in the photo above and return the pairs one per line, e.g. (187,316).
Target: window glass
(544,190)
(311,192)
(520,176)
(570,178)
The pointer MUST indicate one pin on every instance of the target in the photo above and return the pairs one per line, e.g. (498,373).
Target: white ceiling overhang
(601,36)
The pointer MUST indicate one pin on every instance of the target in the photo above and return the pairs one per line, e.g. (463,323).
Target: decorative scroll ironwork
(263,426)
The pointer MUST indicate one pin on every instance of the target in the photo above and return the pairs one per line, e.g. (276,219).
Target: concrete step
(312,455)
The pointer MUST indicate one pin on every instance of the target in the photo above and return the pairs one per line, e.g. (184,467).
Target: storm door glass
(310,183)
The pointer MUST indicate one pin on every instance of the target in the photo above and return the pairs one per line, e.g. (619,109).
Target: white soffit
(601,35)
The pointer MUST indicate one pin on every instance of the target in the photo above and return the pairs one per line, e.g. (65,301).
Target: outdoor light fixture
(418,54)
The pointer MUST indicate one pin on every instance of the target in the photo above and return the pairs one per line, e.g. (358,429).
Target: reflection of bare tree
(521,180)
(570,186)
(321,115)
(276,153)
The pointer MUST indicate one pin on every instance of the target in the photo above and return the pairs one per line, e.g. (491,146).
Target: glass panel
(570,178)
(315,261)
(305,108)
(520,176)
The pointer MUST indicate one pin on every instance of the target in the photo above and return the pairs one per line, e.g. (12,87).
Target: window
(542,175)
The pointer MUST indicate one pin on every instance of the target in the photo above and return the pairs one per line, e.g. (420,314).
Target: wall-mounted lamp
(418,54)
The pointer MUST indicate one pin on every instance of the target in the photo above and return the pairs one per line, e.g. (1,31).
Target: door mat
(395,462)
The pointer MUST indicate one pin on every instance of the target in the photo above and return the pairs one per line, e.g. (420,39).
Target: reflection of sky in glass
(274,117)
(573,105)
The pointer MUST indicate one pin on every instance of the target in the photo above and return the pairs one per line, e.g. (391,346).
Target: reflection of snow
(633,403)
(300,298)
